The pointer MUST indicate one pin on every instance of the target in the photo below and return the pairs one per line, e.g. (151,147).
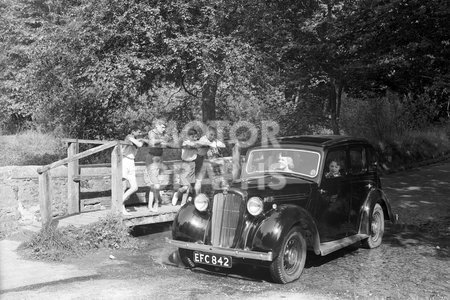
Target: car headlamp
(201,202)
(255,206)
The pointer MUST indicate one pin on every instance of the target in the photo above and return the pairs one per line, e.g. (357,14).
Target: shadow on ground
(148,229)
(432,233)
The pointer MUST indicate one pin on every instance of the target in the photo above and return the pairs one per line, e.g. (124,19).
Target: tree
(116,56)
(302,43)
(19,28)
(89,65)
(406,47)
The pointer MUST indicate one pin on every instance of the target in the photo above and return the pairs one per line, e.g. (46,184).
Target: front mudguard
(275,225)
(189,224)
(375,196)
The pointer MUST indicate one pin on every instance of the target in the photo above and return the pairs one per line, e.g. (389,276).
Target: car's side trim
(265,256)
(328,247)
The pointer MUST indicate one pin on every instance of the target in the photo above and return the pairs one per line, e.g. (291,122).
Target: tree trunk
(448,108)
(209,99)
(333,104)
(340,88)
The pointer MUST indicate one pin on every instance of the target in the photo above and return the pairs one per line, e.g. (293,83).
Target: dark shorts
(199,164)
(155,151)
(187,175)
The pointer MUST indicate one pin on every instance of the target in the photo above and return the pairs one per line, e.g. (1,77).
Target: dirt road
(412,263)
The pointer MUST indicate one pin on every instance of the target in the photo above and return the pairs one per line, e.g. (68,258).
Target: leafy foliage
(90,68)
(108,232)
(51,244)
(54,243)
(386,122)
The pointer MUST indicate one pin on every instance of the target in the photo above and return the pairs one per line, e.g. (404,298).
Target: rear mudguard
(375,196)
(275,225)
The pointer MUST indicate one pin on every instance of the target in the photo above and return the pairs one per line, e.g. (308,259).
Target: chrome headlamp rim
(201,202)
(255,206)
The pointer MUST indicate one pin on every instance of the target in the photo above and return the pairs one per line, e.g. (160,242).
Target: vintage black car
(318,193)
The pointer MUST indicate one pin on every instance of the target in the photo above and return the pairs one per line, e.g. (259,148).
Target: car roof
(323,141)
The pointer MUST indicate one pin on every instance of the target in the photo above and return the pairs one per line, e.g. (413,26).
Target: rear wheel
(186,258)
(376,228)
(289,264)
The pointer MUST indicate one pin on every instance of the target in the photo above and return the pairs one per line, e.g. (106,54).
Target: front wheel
(289,264)
(376,228)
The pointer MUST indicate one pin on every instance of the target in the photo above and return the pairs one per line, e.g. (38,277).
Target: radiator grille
(226,215)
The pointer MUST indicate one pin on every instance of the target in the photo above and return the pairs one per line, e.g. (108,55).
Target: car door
(335,197)
(363,178)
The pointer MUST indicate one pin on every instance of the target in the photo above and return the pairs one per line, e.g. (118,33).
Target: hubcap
(375,226)
(292,255)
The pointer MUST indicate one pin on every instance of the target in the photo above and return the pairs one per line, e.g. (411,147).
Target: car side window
(335,164)
(358,161)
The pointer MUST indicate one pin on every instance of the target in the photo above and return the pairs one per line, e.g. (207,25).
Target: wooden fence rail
(73,187)
(73,176)
(77,156)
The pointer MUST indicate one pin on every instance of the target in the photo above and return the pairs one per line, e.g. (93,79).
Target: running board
(328,247)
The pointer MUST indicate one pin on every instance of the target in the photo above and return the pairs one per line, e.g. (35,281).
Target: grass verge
(413,146)
(54,244)
(30,148)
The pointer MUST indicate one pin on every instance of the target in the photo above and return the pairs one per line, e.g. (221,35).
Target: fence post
(116,179)
(45,200)
(73,188)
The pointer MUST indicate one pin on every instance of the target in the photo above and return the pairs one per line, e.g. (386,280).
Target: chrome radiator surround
(227,215)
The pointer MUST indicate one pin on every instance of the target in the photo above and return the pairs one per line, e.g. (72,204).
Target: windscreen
(303,162)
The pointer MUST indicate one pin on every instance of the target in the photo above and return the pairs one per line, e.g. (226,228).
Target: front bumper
(264,256)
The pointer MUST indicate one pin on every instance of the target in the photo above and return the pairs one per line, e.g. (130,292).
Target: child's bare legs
(198,186)
(220,172)
(154,197)
(184,190)
(175,198)
(133,188)
(124,188)
(151,198)
(128,174)
(175,195)
(187,176)
(185,196)
(205,170)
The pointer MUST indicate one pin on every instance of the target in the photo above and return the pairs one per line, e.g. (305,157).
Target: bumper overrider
(264,256)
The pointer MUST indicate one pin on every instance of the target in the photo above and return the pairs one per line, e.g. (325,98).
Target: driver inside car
(284,163)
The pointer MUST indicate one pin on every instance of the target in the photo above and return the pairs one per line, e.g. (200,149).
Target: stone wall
(19,195)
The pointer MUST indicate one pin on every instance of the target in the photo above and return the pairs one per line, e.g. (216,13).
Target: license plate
(212,259)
